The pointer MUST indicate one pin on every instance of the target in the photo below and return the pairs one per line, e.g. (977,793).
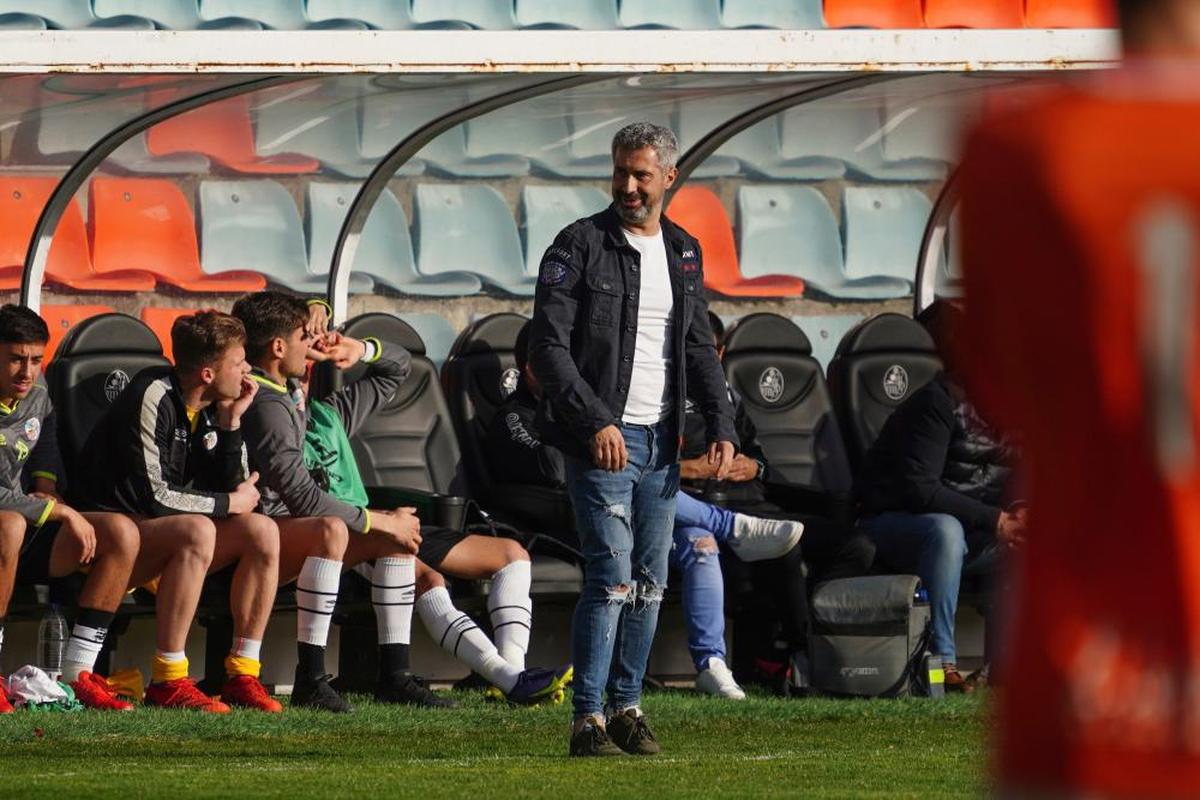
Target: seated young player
(169,453)
(278,330)
(516,451)
(41,537)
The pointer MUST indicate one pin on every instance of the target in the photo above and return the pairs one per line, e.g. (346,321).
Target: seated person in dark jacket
(932,493)
(827,551)
(515,450)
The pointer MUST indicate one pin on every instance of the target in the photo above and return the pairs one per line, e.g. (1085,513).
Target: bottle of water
(52,642)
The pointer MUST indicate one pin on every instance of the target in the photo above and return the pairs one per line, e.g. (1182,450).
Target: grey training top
(28,449)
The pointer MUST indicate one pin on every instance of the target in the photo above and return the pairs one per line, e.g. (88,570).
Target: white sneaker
(718,680)
(758,539)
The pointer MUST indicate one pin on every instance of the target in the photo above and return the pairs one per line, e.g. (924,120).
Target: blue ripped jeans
(699,528)
(624,520)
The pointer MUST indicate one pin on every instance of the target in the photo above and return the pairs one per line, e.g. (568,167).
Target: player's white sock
(393,587)
(87,638)
(316,596)
(459,636)
(511,611)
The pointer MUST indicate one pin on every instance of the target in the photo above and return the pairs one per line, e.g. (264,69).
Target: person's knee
(120,538)
(335,537)
(197,537)
(262,538)
(945,535)
(428,579)
(511,550)
(12,534)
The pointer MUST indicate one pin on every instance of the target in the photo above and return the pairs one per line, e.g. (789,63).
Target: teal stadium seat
(176,15)
(546,210)
(595,15)
(387,15)
(71,15)
(882,228)
(488,15)
(791,230)
(759,149)
(282,15)
(921,136)
(435,331)
(782,14)
(825,332)
(448,153)
(695,120)
(255,225)
(469,228)
(696,15)
(386,118)
(22,22)
(385,251)
(852,134)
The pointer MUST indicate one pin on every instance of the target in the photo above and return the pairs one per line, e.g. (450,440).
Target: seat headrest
(109,333)
(493,332)
(765,332)
(388,328)
(887,333)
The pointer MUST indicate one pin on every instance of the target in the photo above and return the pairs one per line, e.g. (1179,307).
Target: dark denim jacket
(584,329)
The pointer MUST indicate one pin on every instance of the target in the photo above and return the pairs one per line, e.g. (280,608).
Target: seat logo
(895,382)
(770,384)
(508,381)
(114,384)
(859,672)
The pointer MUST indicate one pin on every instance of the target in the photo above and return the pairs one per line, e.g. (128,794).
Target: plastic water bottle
(52,642)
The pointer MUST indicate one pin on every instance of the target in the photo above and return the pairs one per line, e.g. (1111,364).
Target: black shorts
(436,543)
(34,564)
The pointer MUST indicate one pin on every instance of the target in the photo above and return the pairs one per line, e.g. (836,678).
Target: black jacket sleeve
(156,492)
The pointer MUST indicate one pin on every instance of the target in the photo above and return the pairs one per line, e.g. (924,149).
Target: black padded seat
(878,365)
(769,365)
(95,362)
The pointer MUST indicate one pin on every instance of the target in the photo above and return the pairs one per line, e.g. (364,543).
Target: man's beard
(633,216)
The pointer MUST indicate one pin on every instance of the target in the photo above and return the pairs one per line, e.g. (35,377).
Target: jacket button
(627,359)
(606,286)
(633,267)
(633,295)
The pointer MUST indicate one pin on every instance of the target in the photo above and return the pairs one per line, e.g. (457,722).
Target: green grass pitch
(764,747)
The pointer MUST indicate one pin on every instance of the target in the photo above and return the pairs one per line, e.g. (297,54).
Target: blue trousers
(699,529)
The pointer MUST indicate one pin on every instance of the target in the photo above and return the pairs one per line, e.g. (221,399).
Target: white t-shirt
(648,402)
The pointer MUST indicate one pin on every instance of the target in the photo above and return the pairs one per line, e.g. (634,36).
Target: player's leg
(12,534)
(510,608)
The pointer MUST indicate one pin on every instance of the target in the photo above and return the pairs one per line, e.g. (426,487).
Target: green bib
(327,451)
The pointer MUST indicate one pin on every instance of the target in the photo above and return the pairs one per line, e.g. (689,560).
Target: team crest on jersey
(895,382)
(553,273)
(115,383)
(770,384)
(33,428)
(210,440)
(508,381)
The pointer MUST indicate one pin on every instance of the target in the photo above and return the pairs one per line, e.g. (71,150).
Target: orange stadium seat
(147,224)
(70,263)
(701,213)
(874,14)
(1070,14)
(61,319)
(160,321)
(224,133)
(975,13)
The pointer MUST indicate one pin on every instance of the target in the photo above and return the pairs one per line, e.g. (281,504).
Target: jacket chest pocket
(604,297)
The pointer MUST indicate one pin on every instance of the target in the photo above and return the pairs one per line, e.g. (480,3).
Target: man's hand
(318,321)
(1010,528)
(244,498)
(608,449)
(696,469)
(742,469)
(343,351)
(720,456)
(229,412)
(400,525)
(75,526)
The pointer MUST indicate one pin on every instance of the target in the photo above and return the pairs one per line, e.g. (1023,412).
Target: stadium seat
(72,15)
(783,14)
(874,14)
(769,365)
(975,13)
(701,15)
(546,210)
(22,22)
(160,321)
(147,224)
(825,332)
(851,134)
(596,15)
(791,230)
(327,131)
(255,225)
(387,15)
(482,14)
(177,15)
(283,15)
(1070,14)
(385,252)
(702,214)
(882,229)
(877,365)
(448,153)
(95,361)
(435,331)
(223,132)
(386,119)
(461,228)
(921,136)
(696,119)
(60,320)
(70,263)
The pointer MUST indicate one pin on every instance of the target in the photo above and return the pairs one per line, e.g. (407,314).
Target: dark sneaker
(539,685)
(632,734)
(404,688)
(591,740)
(318,694)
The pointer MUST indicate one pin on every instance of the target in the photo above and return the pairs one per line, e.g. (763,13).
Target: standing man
(620,326)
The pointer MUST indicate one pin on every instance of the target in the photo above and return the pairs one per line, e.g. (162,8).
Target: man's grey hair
(637,135)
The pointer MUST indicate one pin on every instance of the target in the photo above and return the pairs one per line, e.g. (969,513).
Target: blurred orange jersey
(1081,248)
